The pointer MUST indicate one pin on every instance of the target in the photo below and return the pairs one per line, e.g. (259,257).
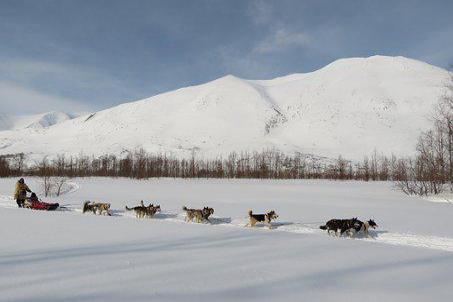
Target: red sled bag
(39,205)
(34,204)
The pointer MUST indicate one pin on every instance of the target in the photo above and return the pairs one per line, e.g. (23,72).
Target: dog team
(338,226)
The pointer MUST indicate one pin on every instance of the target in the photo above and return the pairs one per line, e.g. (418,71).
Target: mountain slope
(349,107)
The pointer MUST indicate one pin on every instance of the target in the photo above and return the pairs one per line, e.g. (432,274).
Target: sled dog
(366,225)
(143,211)
(88,206)
(266,218)
(96,207)
(342,225)
(198,214)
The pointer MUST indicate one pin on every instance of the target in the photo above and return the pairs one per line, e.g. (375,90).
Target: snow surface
(70,256)
(349,107)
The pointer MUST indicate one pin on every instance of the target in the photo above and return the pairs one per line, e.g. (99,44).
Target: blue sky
(88,55)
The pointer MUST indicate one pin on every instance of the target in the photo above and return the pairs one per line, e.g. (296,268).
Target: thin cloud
(260,12)
(16,100)
(47,81)
(282,39)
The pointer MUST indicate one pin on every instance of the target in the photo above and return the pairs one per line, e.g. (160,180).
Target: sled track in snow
(384,237)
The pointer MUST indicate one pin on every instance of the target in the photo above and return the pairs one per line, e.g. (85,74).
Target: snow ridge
(350,107)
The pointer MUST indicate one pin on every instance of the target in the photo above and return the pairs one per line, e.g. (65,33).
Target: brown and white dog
(266,218)
(96,207)
(143,211)
(198,214)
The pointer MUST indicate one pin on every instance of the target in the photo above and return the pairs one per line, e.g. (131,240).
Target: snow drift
(349,107)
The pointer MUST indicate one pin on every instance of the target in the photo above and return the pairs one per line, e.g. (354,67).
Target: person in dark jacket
(21,192)
(34,198)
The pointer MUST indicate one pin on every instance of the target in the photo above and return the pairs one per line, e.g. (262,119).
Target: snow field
(67,255)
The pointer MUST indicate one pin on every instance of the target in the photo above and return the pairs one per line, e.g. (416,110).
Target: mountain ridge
(349,107)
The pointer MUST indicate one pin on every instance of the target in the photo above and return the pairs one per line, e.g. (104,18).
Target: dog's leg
(268,222)
(367,234)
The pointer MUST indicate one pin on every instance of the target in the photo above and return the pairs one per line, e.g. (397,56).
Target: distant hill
(36,121)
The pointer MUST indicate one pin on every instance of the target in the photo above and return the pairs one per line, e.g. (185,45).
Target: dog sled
(34,203)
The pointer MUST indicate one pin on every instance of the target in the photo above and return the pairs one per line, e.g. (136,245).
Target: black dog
(343,225)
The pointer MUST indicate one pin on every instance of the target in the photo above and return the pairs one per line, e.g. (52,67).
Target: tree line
(268,164)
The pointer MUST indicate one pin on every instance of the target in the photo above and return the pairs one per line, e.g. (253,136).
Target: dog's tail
(250,212)
(323,227)
(85,206)
(128,209)
(184,208)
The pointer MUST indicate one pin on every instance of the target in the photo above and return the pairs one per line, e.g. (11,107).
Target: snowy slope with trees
(70,256)
(350,107)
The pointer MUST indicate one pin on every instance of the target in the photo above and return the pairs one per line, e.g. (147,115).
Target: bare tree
(60,182)
(443,119)
(48,185)
(44,170)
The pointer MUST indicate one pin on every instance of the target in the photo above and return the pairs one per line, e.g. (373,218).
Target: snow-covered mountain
(350,107)
(35,121)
